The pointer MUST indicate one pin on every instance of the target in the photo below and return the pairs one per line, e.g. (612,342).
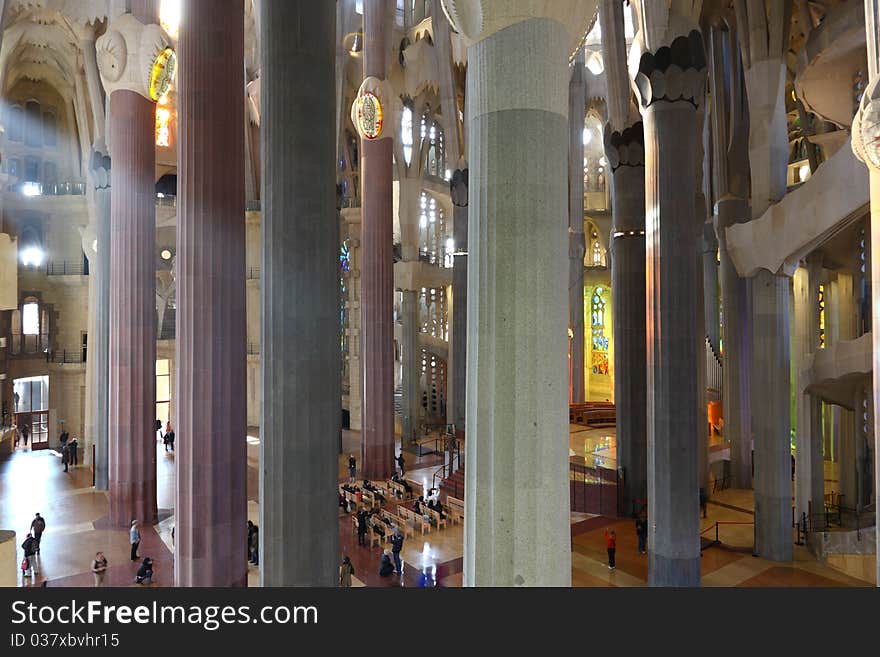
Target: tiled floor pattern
(77,527)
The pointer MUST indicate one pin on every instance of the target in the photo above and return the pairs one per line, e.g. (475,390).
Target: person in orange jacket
(611,544)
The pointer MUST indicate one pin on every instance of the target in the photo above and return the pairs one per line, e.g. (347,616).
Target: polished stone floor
(76,519)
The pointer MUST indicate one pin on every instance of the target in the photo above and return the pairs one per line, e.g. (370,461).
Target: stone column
(730,187)
(132,335)
(458,189)
(670,84)
(99,272)
(809,466)
(377,277)
(93,81)
(710,285)
(516,494)
(300,416)
(576,247)
(211,504)
(626,156)
(771,416)
(410,365)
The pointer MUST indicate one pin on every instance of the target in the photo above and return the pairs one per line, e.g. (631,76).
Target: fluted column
(458,187)
(132,310)
(99,272)
(576,247)
(670,84)
(710,284)
(625,152)
(377,277)
(211,505)
(300,418)
(410,365)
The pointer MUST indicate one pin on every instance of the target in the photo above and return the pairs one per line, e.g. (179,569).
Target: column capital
(476,20)
(99,165)
(676,72)
(136,57)
(625,148)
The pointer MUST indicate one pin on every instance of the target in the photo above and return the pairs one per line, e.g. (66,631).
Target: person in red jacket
(611,544)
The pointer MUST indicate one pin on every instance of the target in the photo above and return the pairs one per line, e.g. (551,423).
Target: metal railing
(253,273)
(442,444)
(717,527)
(67,268)
(253,349)
(65,356)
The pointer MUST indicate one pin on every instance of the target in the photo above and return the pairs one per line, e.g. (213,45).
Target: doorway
(31,411)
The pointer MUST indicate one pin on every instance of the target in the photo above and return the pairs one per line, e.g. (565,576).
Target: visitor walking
(38,526)
(134,537)
(611,544)
(396,547)
(24,434)
(99,568)
(29,563)
(74,454)
(65,456)
(63,438)
(703,501)
(401,464)
(362,526)
(642,534)
(346,570)
(352,468)
(170,436)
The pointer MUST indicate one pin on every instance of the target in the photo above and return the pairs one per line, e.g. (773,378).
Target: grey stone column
(771,415)
(99,344)
(809,464)
(626,156)
(458,188)
(410,365)
(211,385)
(736,334)
(710,285)
(517,500)
(576,247)
(300,418)
(671,274)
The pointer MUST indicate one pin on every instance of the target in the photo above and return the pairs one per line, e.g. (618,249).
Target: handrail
(66,268)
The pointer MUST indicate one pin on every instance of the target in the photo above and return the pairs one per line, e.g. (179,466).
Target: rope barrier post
(716,532)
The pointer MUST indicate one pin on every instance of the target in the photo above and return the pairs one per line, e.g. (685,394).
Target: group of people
(69,450)
(433,503)
(167,435)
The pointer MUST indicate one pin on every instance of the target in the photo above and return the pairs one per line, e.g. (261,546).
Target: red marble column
(132,310)
(377,274)
(211,504)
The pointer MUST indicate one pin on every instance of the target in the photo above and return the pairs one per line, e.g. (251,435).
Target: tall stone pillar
(516,491)
(710,285)
(670,84)
(410,365)
(300,291)
(809,464)
(211,504)
(99,353)
(763,44)
(730,185)
(771,416)
(377,276)
(458,189)
(576,246)
(626,157)
(132,333)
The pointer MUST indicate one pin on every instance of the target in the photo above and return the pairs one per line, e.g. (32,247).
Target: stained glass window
(597,326)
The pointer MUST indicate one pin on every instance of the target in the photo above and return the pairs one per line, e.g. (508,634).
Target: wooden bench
(368,499)
(455,509)
(413,517)
(440,522)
